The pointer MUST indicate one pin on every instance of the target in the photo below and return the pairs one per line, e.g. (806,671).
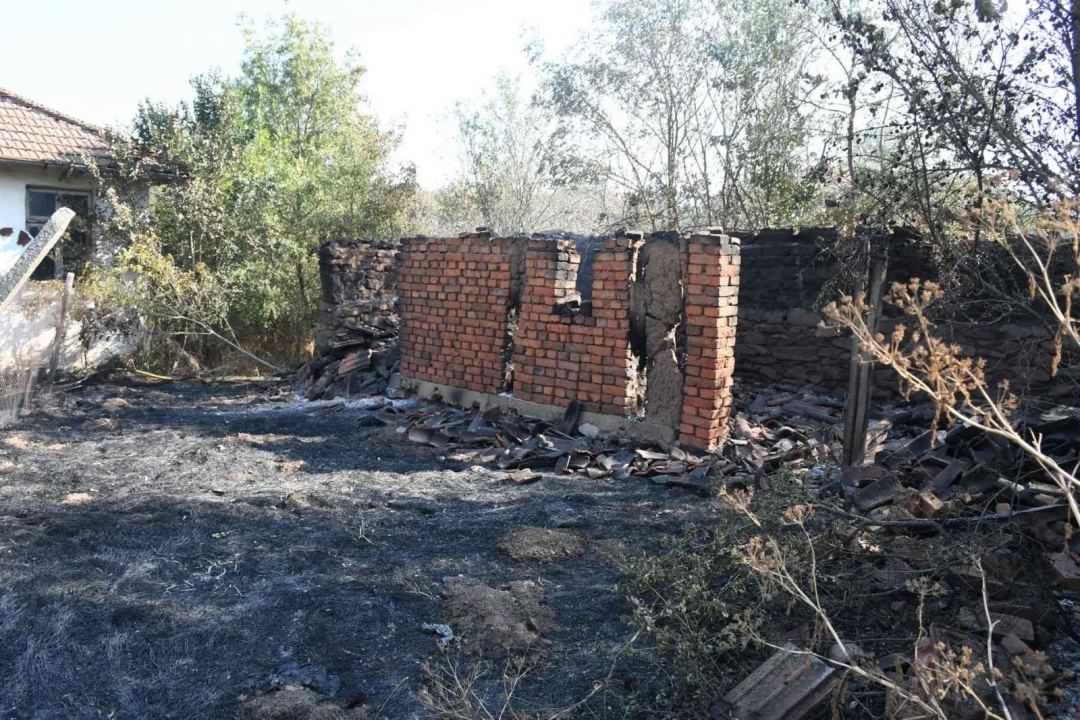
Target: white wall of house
(14,179)
(28,325)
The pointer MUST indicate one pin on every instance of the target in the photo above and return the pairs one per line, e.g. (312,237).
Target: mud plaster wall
(630,326)
(786,274)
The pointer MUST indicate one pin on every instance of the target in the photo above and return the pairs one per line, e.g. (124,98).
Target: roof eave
(105,166)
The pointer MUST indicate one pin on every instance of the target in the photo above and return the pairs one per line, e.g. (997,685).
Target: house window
(73,252)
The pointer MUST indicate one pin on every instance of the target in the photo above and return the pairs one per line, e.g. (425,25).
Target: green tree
(991,91)
(696,110)
(267,165)
(517,173)
(760,91)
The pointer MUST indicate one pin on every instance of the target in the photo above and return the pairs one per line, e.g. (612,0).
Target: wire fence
(16,391)
(32,336)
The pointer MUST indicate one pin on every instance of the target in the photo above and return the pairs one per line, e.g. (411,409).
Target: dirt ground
(181,551)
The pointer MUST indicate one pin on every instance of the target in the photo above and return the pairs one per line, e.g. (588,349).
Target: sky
(98,60)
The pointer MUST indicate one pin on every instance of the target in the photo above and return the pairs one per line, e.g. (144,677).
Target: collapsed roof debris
(781,434)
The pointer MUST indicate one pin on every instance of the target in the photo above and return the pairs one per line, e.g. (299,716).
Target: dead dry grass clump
(19,442)
(461,689)
(532,543)
(293,702)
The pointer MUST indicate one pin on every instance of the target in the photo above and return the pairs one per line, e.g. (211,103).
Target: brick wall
(635,326)
(786,274)
(711,317)
(454,303)
(630,326)
(583,354)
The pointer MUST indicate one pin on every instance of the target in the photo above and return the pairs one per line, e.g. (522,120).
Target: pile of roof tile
(521,446)
(359,363)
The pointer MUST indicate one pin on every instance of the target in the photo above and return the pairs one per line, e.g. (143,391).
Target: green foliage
(518,173)
(704,608)
(267,165)
(695,113)
(976,93)
(690,599)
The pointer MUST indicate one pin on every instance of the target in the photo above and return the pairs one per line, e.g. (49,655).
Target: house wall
(588,355)
(479,315)
(454,299)
(14,180)
(28,325)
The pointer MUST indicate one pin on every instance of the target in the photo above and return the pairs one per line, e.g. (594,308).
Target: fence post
(861,382)
(58,340)
(27,394)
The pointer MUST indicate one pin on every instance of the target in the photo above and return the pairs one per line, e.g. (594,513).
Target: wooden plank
(797,407)
(787,686)
(35,252)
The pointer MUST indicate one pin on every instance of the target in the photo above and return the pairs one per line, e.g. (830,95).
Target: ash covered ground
(181,551)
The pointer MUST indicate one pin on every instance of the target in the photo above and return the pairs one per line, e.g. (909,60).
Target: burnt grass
(172,550)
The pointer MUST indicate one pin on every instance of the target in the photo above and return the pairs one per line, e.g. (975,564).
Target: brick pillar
(712,299)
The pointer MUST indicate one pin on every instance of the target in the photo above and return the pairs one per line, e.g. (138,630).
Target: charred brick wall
(787,274)
(454,301)
(629,326)
(566,349)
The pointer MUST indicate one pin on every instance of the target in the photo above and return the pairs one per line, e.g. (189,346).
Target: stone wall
(357,326)
(359,290)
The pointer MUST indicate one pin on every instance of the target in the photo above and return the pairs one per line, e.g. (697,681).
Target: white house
(44,155)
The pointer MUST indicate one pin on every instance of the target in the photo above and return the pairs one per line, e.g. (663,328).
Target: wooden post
(861,380)
(13,397)
(58,341)
(27,393)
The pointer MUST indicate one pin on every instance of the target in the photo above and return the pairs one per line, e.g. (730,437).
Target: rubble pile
(358,362)
(967,476)
(521,446)
(945,530)
(785,432)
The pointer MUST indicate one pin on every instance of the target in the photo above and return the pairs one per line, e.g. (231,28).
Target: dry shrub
(456,689)
(1049,258)
(774,574)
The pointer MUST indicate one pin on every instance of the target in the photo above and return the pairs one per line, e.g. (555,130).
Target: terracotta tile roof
(33,133)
